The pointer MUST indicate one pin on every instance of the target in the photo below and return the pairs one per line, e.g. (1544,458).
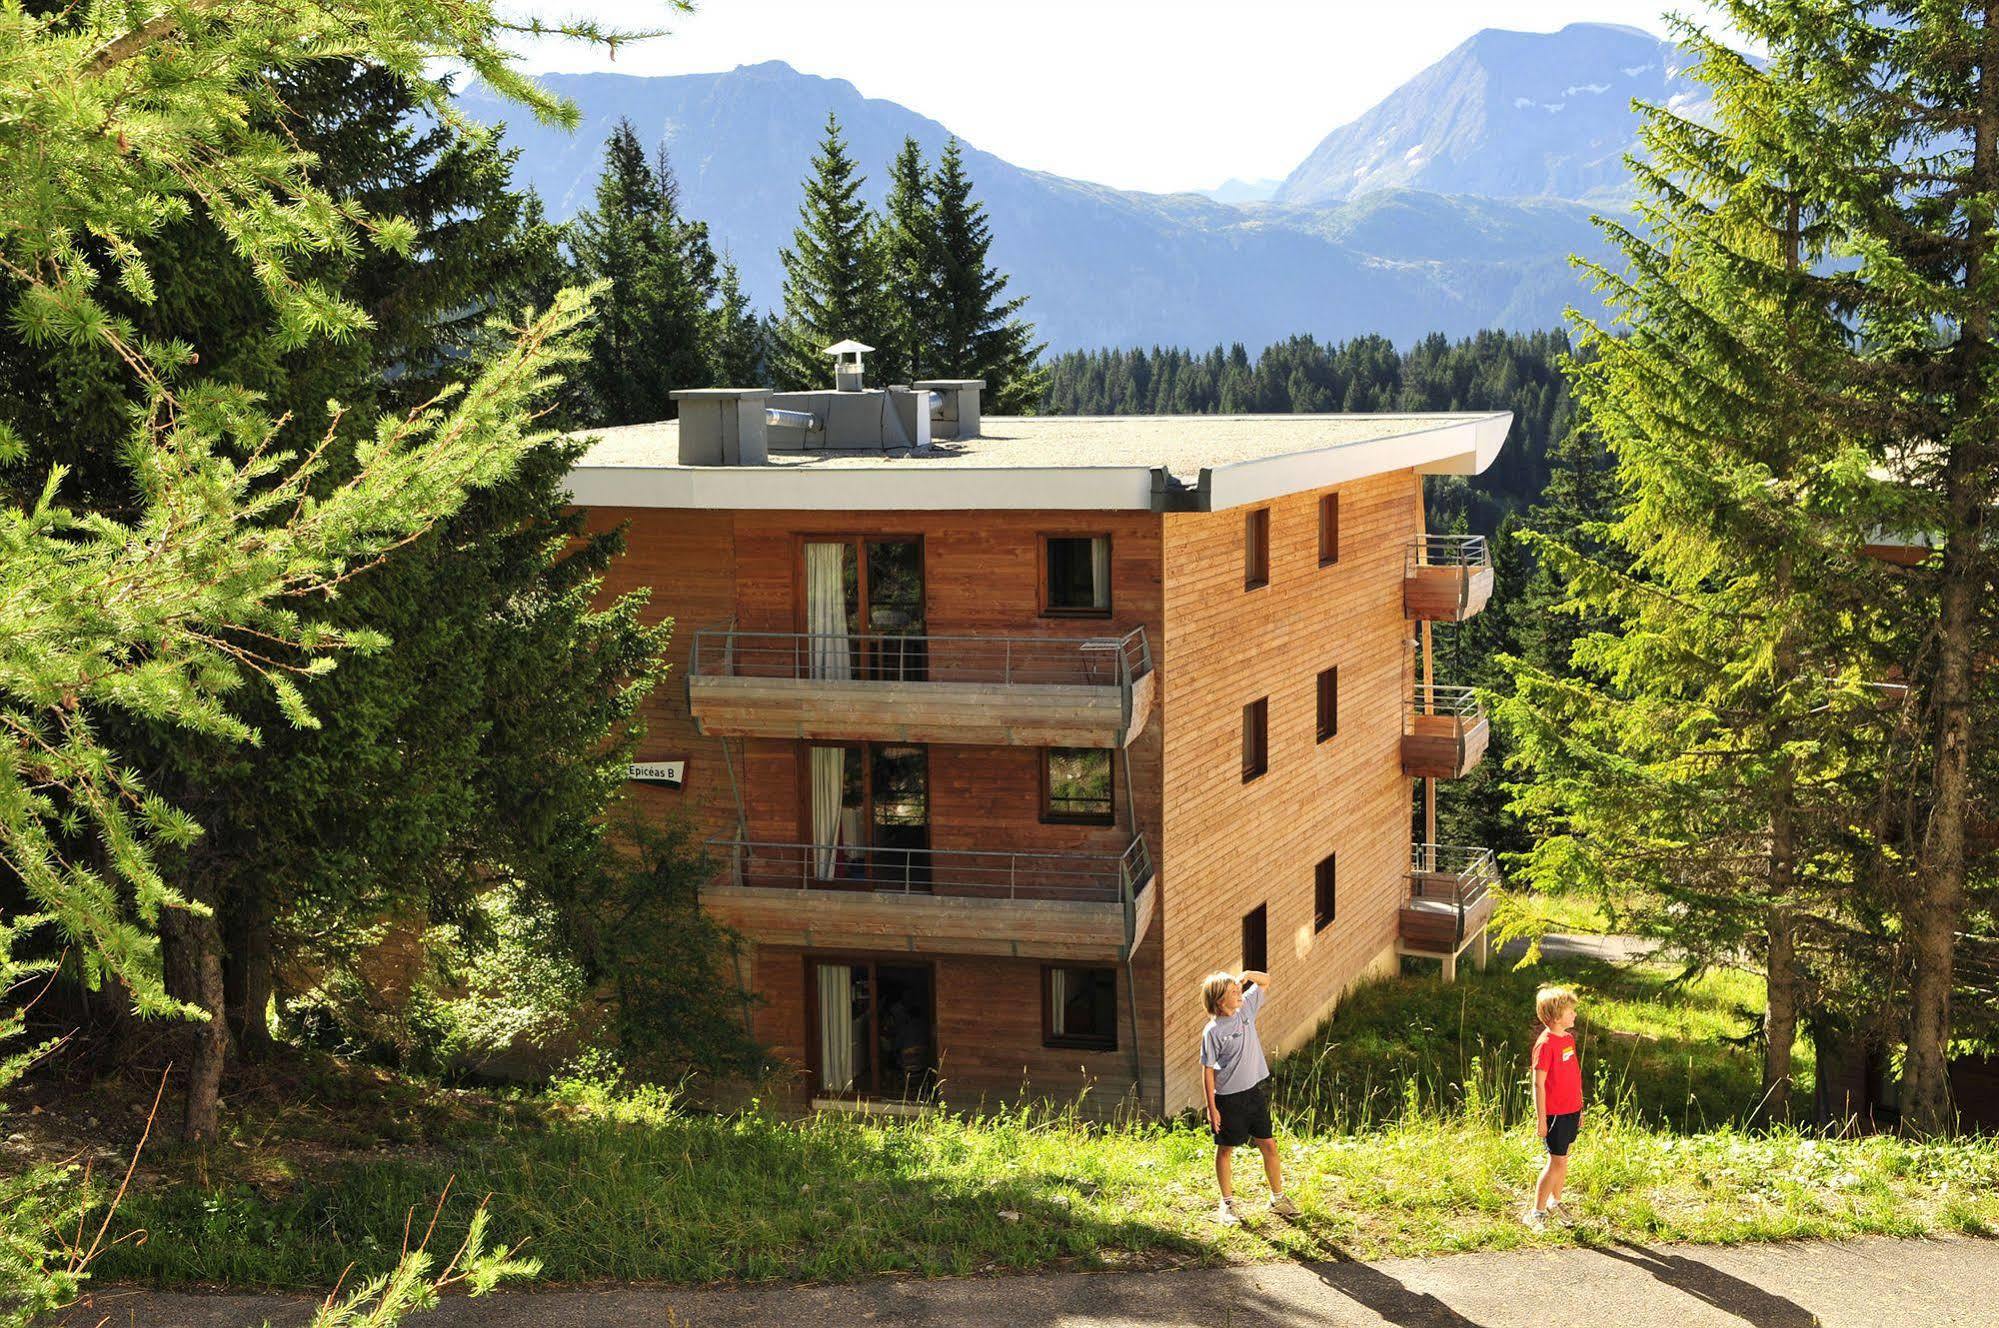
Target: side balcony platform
(1027,905)
(1449,905)
(1444,733)
(1446,578)
(999,691)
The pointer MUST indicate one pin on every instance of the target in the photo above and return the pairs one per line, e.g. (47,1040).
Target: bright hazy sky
(1141,94)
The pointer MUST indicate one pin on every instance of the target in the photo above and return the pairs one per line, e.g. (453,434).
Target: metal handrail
(1461,702)
(1084,877)
(1118,661)
(1472,872)
(1447,551)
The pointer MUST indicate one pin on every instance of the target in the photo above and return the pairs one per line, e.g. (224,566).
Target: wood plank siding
(1229,846)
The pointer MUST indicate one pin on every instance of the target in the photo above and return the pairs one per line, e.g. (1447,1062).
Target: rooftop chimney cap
(848,347)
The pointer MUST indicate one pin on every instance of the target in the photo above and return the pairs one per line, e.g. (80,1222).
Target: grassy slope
(607,1187)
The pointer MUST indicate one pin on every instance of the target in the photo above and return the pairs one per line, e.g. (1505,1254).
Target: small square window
(1077,785)
(1079,1008)
(1256,939)
(1076,575)
(1256,549)
(1329,530)
(1255,739)
(1324,883)
(1329,703)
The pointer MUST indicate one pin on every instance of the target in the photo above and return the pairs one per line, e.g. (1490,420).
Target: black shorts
(1562,1132)
(1245,1116)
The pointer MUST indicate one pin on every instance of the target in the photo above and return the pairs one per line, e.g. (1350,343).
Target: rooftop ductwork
(742,426)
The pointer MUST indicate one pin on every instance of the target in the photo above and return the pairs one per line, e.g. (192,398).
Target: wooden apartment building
(1005,733)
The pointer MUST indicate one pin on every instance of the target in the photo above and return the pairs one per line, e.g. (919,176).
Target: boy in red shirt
(1558,1096)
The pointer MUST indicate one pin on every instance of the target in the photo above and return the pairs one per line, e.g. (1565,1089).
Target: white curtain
(836,1028)
(829,783)
(1058,1001)
(826,609)
(1100,572)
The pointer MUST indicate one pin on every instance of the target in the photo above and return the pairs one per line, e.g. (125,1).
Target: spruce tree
(737,338)
(659,278)
(1709,751)
(833,283)
(977,332)
(910,264)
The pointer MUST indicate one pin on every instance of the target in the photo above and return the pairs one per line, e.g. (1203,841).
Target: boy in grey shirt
(1232,1075)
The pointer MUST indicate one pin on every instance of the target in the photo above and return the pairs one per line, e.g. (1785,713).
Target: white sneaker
(1534,1220)
(1281,1205)
(1227,1215)
(1559,1212)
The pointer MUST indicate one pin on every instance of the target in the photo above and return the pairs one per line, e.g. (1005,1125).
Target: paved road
(1872,1283)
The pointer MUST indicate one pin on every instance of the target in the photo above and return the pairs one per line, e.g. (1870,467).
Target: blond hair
(1213,988)
(1551,1001)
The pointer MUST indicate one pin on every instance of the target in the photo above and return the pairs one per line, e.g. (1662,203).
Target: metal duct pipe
(793,419)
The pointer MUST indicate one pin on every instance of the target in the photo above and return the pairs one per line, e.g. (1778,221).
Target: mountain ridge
(1100,266)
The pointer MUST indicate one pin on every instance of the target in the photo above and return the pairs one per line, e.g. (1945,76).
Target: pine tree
(977,332)
(737,340)
(1710,749)
(833,280)
(659,276)
(909,263)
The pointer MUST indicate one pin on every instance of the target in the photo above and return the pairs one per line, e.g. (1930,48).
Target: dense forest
(1520,372)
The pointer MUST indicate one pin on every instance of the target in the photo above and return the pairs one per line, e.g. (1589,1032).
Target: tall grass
(1401,1134)
(1668,1054)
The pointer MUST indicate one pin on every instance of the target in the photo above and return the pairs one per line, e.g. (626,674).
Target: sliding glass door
(868,813)
(863,607)
(873,1028)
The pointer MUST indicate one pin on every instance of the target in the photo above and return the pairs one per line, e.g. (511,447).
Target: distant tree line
(1515,371)
(913,280)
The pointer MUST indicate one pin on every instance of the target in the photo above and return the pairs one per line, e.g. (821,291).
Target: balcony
(937,901)
(1445,578)
(1450,899)
(1444,733)
(1039,691)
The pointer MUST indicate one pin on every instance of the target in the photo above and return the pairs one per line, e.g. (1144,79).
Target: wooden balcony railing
(1450,897)
(1446,578)
(1049,691)
(1444,732)
(965,901)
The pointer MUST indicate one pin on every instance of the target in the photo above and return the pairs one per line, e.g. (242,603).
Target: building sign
(670,773)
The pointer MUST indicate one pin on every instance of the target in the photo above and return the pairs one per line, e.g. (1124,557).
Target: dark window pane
(1081,1005)
(1079,784)
(1256,939)
(1255,739)
(1079,573)
(1323,893)
(1329,703)
(1329,529)
(1256,549)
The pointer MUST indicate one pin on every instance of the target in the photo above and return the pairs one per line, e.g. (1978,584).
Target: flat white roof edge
(1460,447)
(802,488)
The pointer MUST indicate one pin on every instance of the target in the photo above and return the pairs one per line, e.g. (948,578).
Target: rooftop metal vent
(847,364)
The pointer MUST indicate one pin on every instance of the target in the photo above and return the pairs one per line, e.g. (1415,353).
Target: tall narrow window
(1079,1008)
(1329,703)
(1076,786)
(1076,576)
(1324,882)
(1256,939)
(1329,530)
(1256,549)
(1255,739)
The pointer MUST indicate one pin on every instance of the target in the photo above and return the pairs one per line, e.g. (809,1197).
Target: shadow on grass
(1709,1285)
